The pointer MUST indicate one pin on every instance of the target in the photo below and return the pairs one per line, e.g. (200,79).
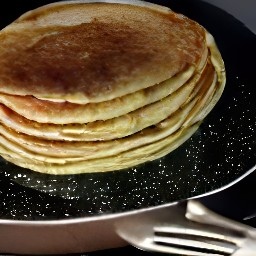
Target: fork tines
(195,242)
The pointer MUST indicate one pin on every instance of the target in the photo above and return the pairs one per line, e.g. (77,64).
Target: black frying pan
(221,151)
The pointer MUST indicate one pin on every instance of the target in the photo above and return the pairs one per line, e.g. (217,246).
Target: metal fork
(187,228)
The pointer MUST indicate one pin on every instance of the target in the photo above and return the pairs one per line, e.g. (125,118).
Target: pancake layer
(102,53)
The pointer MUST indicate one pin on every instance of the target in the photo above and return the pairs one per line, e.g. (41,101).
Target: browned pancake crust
(97,58)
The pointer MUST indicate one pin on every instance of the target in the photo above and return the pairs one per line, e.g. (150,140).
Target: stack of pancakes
(91,87)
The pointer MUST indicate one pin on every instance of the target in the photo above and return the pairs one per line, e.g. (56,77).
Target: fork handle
(197,212)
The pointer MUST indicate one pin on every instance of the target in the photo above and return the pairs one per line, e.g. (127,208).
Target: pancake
(122,50)
(94,87)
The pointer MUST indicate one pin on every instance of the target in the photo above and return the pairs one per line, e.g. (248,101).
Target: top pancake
(82,52)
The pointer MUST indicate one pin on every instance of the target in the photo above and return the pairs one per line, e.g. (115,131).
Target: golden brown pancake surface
(118,49)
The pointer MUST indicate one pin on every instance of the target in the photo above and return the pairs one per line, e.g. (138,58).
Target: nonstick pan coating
(222,150)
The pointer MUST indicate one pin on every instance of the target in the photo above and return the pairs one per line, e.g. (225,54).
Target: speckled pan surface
(222,150)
